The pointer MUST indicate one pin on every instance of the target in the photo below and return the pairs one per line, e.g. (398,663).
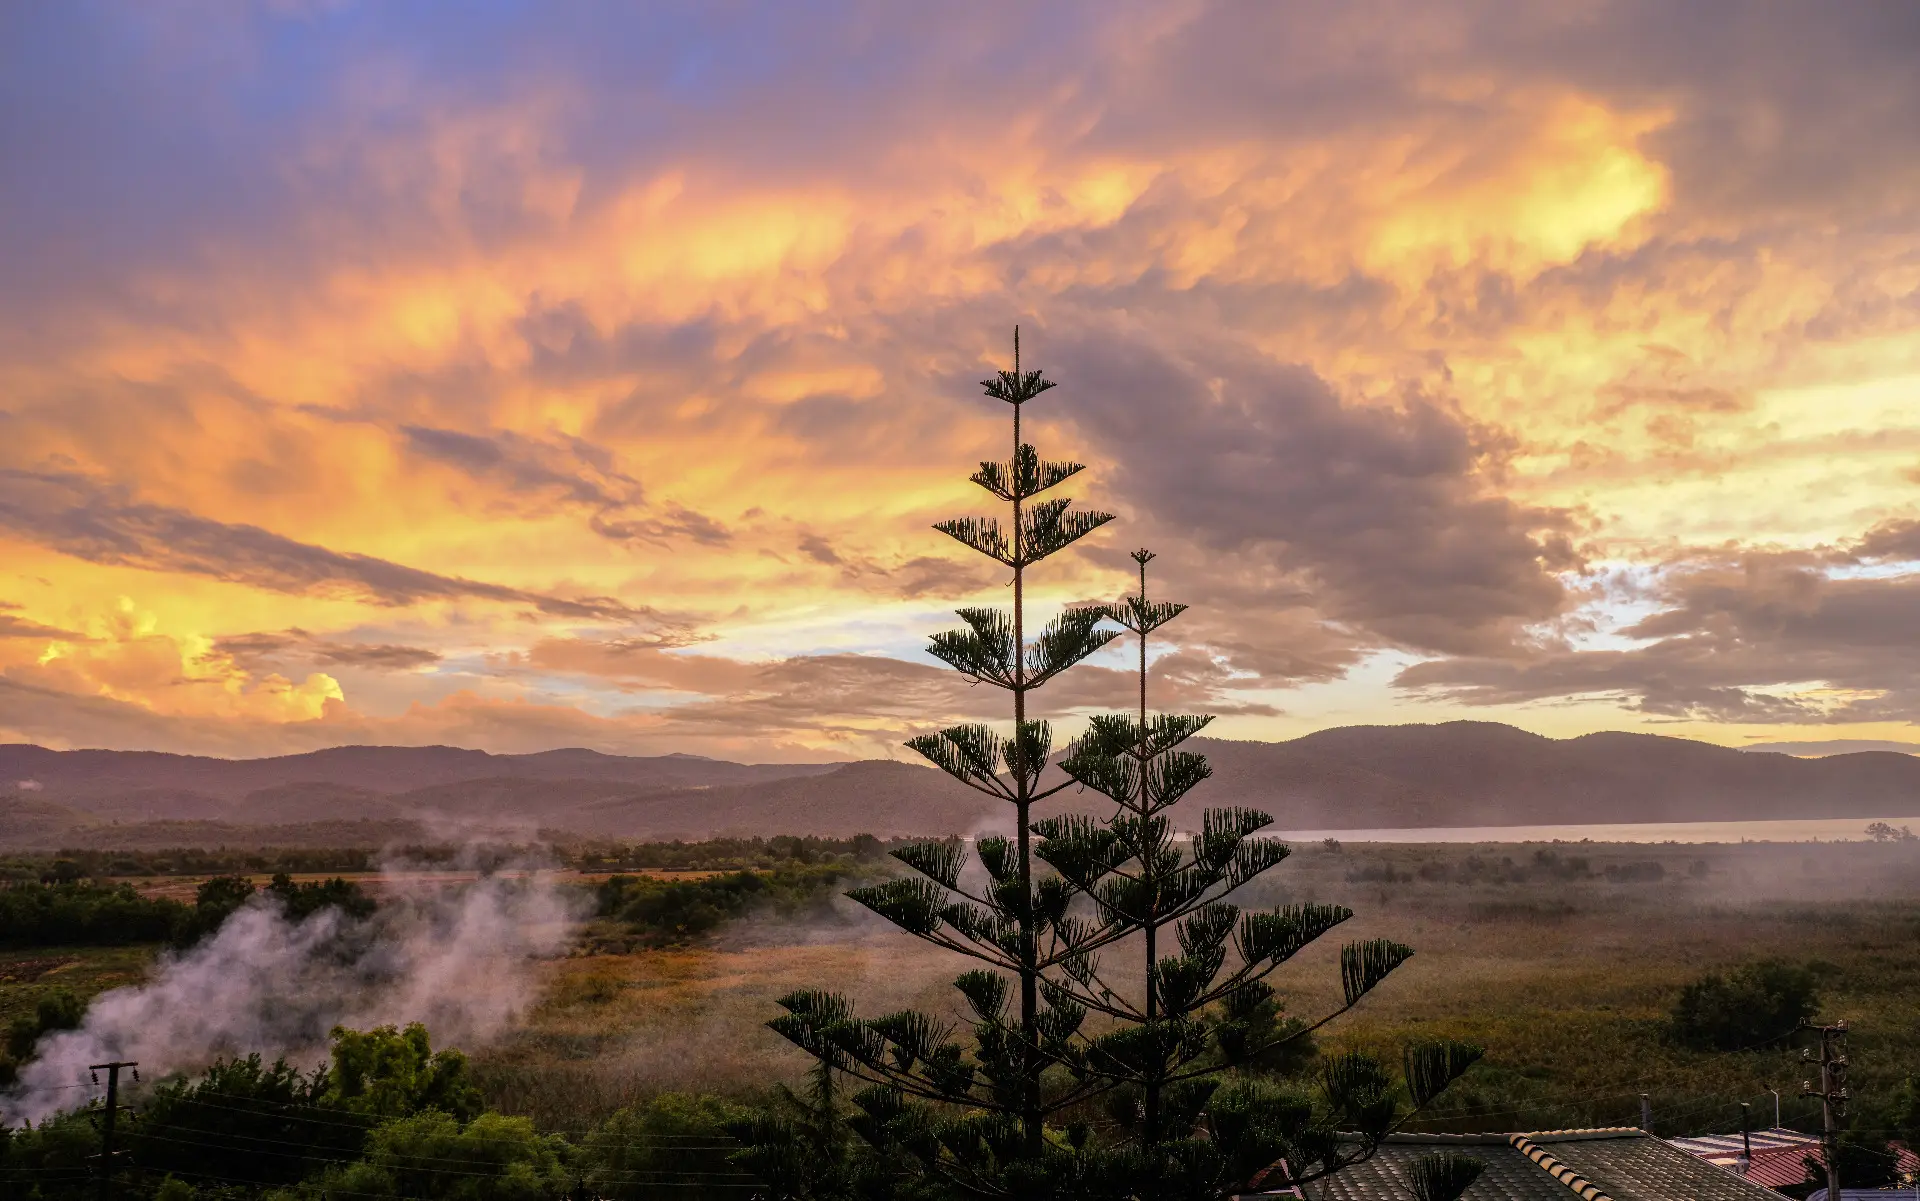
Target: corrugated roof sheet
(1779,1156)
(1624,1165)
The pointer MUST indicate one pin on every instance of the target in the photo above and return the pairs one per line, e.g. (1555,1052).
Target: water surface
(1810,829)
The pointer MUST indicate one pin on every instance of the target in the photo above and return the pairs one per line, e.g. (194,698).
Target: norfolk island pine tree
(978,1116)
(1209,1008)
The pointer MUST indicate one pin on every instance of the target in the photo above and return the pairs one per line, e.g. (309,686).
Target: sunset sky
(526,375)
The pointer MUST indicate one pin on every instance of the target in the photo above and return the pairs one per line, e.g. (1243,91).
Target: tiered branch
(971,1100)
(1011,919)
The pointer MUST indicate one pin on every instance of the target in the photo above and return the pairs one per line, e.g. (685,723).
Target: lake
(1812,829)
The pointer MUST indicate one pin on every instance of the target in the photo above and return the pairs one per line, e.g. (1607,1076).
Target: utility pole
(1746,1138)
(1833,1096)
(108,1156)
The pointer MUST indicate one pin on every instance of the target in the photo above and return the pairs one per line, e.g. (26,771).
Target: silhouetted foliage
(304,899)
(76,914)
(432,1156)
(243,1126)
(660,1146)
(659,912)
(1442,1176)
(1751,1006)
(56,1010)
(1866,1161)
(731,854)
(219,898)
(263,1122)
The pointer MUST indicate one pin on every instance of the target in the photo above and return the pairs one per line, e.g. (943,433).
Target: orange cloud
(610,401)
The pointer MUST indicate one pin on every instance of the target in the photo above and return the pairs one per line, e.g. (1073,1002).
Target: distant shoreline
(1799,829)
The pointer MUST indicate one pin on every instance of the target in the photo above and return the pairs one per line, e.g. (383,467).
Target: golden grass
(1566,982)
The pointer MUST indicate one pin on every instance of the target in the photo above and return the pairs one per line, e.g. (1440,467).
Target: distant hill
(1487,774)
(97,775)
(1353,777)
(875,797)
(1820,748)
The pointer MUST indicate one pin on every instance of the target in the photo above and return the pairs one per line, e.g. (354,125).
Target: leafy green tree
(214,902)
(676,1143)
(172,1188)
(303,900)
(676,912)
(267,1123)
(77,914)
(388,1072)
(1903,1111)
(1756,1004)
(434,1156)
(52,1161)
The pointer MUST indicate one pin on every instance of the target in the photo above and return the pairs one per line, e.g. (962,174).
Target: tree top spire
(1016,387)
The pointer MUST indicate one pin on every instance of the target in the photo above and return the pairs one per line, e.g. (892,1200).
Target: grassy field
(1563,972)
(26,975)
(1561,960)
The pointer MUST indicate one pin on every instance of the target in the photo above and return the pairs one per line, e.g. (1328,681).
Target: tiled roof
(1647,1169)
(1561,1165)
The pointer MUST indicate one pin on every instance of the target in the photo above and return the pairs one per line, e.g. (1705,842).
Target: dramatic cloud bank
(518,377)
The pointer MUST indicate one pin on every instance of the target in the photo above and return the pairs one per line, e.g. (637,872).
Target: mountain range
(1352,777)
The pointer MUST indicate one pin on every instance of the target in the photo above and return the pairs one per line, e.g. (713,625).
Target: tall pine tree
(1015,921)
(975,1112)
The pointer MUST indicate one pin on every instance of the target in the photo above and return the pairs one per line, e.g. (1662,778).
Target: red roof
(1779,1167)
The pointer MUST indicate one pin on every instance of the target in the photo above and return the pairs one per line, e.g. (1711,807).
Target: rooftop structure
(1618,1164)
(1779,1156)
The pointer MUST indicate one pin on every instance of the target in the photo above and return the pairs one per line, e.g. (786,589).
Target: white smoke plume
(458,958)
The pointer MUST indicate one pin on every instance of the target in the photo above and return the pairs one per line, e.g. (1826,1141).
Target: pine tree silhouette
(1045,903)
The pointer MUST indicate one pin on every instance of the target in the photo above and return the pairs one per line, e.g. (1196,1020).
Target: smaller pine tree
(1206,1007)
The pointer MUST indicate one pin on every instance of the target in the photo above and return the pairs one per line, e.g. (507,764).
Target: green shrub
(663,1146)
(674,912)
(261,1122)
(301,901)
(244,1125)
(1757,1004)
(433,1156)
(57,1010)
(389,1072)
